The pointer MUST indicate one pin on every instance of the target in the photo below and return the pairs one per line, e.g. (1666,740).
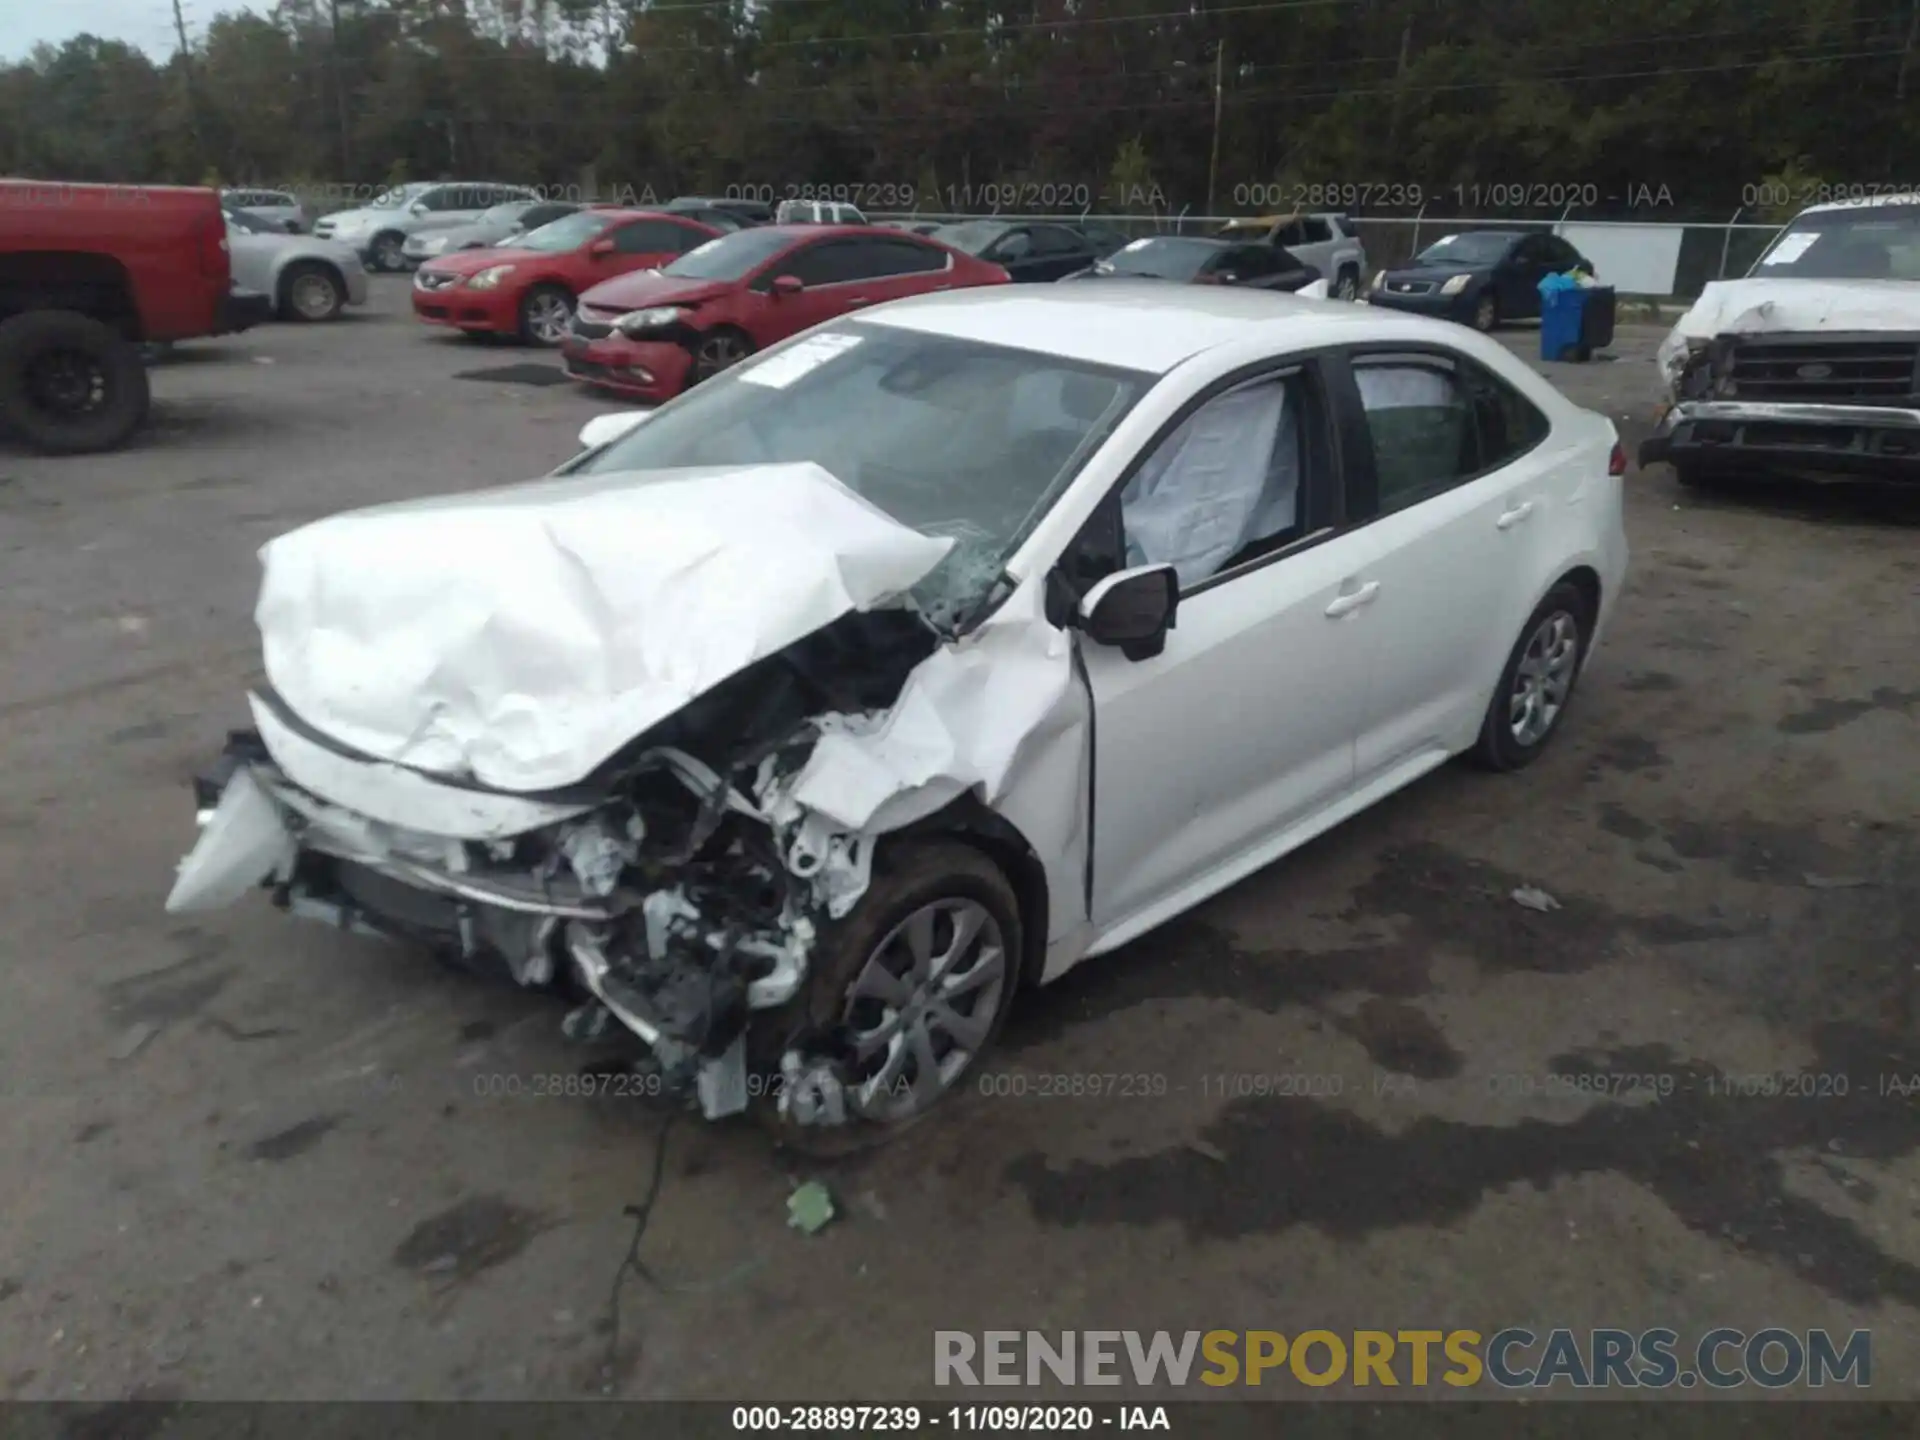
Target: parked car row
(1481,278)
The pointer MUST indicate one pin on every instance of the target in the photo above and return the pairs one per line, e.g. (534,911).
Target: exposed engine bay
(673,901)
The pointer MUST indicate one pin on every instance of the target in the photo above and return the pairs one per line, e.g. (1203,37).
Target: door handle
(1513,517)
(1353,599)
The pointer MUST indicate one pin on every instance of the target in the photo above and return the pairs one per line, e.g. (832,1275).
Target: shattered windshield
(953,437)
(1879,242)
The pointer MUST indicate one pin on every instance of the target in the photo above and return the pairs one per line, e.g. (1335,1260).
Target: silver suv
(1328,241)
(379,229)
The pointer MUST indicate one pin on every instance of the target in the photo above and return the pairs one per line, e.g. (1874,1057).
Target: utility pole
(1399,80)
(193,94)
(1906,53)
(1219,91)
(339,89)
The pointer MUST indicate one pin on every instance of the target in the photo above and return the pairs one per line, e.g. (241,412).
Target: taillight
(1617,462)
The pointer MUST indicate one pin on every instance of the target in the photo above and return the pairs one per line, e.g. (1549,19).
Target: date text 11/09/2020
(1282,196)
(984,1419)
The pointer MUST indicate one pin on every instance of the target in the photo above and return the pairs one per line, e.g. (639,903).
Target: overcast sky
(145,23)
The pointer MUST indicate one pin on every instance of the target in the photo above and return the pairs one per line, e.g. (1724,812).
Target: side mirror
(1133,610)
(418,208)
(787,285)
(605,429)
(600,247)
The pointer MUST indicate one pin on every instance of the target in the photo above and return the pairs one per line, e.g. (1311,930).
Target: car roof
(1144,325)
(621,213)
(1869,202)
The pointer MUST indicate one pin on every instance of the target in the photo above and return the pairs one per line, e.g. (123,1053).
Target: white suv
(379,229)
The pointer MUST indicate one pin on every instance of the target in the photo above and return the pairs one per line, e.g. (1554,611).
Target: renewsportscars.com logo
(1510,1359)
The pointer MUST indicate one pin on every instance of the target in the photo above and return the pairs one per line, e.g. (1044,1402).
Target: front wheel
(69,384)
(1537,683)
(1486,314)
(905,995)
(716,351)
(312,293)
(1348,285)
(545,315)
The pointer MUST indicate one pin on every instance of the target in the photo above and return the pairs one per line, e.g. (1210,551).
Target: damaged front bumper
(668,908)
(1868,441)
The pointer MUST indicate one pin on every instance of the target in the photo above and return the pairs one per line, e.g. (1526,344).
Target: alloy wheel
(1484,314)
(717,353)
(1543,678)
(922,1007)
(388,254)
(314,296)
(1348,288)
(548,317)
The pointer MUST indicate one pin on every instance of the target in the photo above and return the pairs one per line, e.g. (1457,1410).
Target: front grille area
(584,329)
(1827,369)
(1410,287)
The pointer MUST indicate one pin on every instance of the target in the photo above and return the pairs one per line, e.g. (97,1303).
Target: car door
(1517,278)
(1455,524)
(1013,252)
(1058,251)
(1241,730)
(644,245)
(827,272)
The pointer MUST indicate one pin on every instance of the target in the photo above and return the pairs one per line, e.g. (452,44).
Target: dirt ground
(245,1157)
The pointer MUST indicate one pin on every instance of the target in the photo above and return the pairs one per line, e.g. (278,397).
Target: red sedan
(651,336)
(528,289)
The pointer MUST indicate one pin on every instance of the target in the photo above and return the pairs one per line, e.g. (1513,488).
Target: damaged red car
(528,290)
(651,336)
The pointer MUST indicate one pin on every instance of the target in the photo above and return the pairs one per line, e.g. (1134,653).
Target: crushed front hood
(1759,305)
(522,636)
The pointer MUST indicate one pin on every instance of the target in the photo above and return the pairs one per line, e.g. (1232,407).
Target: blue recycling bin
(1563,304)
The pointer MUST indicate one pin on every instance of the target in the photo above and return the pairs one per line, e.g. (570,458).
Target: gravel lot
(249,1158)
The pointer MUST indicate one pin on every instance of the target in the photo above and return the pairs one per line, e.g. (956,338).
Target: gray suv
(379,229)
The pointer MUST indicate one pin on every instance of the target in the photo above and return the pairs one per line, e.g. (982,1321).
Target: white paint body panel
(523,635)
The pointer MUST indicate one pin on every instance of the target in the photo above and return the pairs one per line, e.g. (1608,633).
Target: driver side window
(1225,487)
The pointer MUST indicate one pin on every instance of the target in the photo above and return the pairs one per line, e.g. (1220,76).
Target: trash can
(1562,305)
(1596,320)
(1575,319)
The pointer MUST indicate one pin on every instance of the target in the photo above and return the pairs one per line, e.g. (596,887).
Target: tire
(387,252)
(1347,286)
(719,349)
(311,292)
(545,313)
(910,877)
(1557,633)
(48,358)
(1486,313)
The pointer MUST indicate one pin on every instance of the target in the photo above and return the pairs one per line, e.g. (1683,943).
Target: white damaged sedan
(801,724)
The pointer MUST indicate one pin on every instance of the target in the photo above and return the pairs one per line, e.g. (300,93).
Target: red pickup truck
(89,274)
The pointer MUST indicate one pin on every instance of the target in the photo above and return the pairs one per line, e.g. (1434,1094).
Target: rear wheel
(311,292)
(69,384)
(389,251)
(904,997)
(1537,683)
(546,312)
(718,350)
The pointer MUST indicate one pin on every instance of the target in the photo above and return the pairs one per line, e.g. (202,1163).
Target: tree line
(1662,109)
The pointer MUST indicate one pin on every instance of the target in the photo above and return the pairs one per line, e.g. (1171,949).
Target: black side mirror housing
(1133,610)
